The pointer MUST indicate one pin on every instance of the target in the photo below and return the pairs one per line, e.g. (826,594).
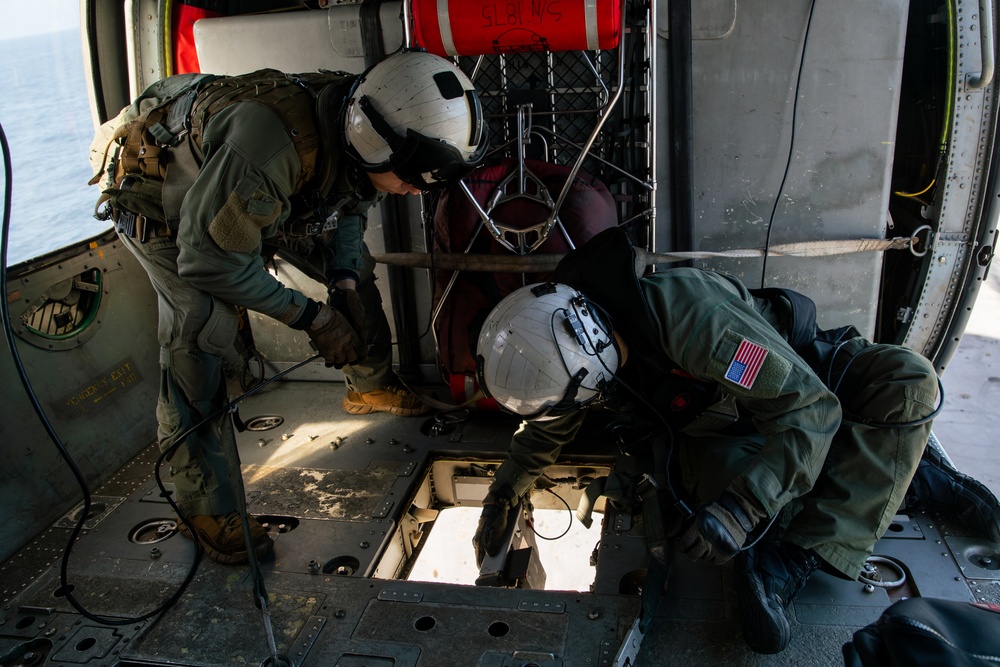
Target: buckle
(142,228)
(125,222)
(136,226)
(304,228)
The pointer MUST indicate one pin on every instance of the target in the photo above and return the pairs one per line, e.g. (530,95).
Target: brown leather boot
(394,400)
(222,537)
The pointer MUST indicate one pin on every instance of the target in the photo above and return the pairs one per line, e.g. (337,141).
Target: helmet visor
(419,160)
(431,164)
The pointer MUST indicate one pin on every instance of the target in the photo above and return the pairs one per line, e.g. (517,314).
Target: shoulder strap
(291,97)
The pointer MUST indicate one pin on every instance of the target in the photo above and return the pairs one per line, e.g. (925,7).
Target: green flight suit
(814,448)
(239,198)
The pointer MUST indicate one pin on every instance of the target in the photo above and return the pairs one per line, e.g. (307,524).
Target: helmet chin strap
(414,156)
(568,402)
(379,124)
(574,326)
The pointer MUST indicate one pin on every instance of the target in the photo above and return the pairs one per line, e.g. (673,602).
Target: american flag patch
(746,364)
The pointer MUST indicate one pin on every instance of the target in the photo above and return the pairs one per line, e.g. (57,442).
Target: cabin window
(66,308)
(46,118)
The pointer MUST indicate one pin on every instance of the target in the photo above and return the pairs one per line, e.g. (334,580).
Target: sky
(19,18)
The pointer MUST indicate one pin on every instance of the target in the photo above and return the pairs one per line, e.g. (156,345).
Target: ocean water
(46,117)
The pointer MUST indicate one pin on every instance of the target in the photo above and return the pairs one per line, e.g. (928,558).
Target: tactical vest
(291,97)
(151,140)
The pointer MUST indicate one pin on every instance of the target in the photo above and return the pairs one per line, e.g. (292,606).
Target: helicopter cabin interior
(840,149)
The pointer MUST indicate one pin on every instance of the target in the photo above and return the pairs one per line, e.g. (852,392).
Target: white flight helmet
(417,115)
(544,351)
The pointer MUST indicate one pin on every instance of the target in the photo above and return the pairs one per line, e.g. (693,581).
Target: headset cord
(668,449)
(868,422)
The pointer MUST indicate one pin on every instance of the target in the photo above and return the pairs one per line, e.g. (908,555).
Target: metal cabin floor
(340,507)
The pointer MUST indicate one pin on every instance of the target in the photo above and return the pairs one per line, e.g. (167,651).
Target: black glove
(493,522)
(335,339)
(348,302)
(717,530)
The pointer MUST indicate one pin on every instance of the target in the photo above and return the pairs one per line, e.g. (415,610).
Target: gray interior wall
(100,395)
(819,144)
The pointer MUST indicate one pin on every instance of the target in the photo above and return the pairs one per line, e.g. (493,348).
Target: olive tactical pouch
(140,154)
(138,195)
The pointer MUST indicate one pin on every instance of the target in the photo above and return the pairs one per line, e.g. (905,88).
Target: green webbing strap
(615,487)
(169,130)
(652,519)
(236,477)
(652,591)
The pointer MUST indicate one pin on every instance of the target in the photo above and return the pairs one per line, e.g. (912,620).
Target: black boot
(938,487)
(767,578)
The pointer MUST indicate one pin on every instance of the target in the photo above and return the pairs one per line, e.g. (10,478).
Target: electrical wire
(917,194)
(61,447)
(594,351)
(668,430)
(227,408)
(166,29)
(791,142)
(47,425)
(531,522)
(949,100)
(950,85)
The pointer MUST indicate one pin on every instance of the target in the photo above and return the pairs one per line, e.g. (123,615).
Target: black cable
(67,457)
(168,452)
(47,425)
(752,543)
(668,430)
(94,53)
(228,407)
(562,357)
(872,423)
(568,528)
(791,142)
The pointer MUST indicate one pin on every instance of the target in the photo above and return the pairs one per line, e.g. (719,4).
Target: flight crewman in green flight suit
(211,174)
(825,425)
